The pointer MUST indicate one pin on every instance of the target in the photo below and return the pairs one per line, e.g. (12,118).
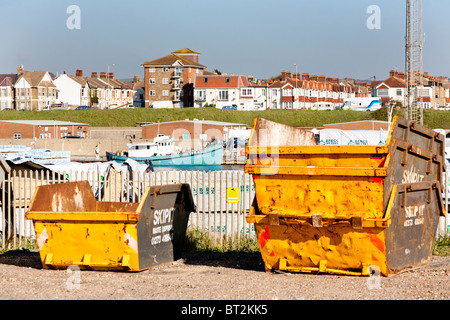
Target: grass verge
(442,246)
(200,241)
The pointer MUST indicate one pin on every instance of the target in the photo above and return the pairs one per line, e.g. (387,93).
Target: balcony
(176,74)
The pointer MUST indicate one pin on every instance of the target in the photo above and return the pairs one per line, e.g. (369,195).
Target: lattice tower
(414,74)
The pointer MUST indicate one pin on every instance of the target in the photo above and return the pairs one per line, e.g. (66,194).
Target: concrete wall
(115,133)
(85,148)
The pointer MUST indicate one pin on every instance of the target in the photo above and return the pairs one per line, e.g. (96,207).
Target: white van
(362,104)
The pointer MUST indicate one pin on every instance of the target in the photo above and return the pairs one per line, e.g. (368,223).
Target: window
(201,95)
(383,92)
(205,80)
(152,81)
(288,92)
(166,69)
(227,80)
(223,95)
(247,92)
(288,105)
(274,92)
(399,92)
(17,135)
(165,93)
(151,69)
(165,81)
(152,93)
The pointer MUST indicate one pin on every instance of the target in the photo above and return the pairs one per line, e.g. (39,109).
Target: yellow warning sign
(232,195)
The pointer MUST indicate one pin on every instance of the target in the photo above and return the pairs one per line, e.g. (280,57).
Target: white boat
(161,146)
(163,152)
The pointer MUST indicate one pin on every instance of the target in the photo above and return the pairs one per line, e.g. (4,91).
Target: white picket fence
(219,216)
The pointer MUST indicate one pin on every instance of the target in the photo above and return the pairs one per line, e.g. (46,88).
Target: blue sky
(249,37)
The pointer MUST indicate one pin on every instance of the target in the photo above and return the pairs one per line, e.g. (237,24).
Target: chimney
(20,69)
(285,75)
(401,75)
(336,80)
(102,75)
(329,79)
(111,75)
(94,75)
(391,73)
(305,76)
(322,78)
(313,78)
(135,79)
(79,73)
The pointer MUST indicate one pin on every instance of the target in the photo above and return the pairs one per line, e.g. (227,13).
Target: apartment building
(7,91)
(169,81)
(34,90)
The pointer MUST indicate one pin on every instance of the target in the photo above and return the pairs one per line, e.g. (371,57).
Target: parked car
(232,107)
(72,137)
(83,108)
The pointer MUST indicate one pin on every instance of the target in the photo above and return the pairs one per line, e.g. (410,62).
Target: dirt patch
(218,276)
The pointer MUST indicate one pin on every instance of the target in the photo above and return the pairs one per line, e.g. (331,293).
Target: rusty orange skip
(345,209)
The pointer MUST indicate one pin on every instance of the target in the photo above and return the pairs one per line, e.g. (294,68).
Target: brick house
(110,92)
(34,90)
(169,80)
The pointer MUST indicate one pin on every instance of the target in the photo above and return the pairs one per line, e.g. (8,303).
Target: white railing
(221,217)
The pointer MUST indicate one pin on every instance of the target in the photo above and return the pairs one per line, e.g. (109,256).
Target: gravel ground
(215,277)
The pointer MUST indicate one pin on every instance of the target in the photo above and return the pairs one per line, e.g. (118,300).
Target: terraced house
(169,80)
(7,91)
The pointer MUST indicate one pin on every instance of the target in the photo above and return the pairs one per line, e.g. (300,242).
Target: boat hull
(206,157)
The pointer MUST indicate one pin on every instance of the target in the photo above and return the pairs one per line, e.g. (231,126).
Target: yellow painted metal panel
(307,195)
(83,216)
(337,248)
(316,171)
(89,245)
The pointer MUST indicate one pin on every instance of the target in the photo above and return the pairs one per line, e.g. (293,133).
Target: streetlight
(296,75)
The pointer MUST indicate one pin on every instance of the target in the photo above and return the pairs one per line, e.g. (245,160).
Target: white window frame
(165,93)
(152,81)
(223,95)
(247,92)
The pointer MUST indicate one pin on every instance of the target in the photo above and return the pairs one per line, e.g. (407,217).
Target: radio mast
(413,60)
